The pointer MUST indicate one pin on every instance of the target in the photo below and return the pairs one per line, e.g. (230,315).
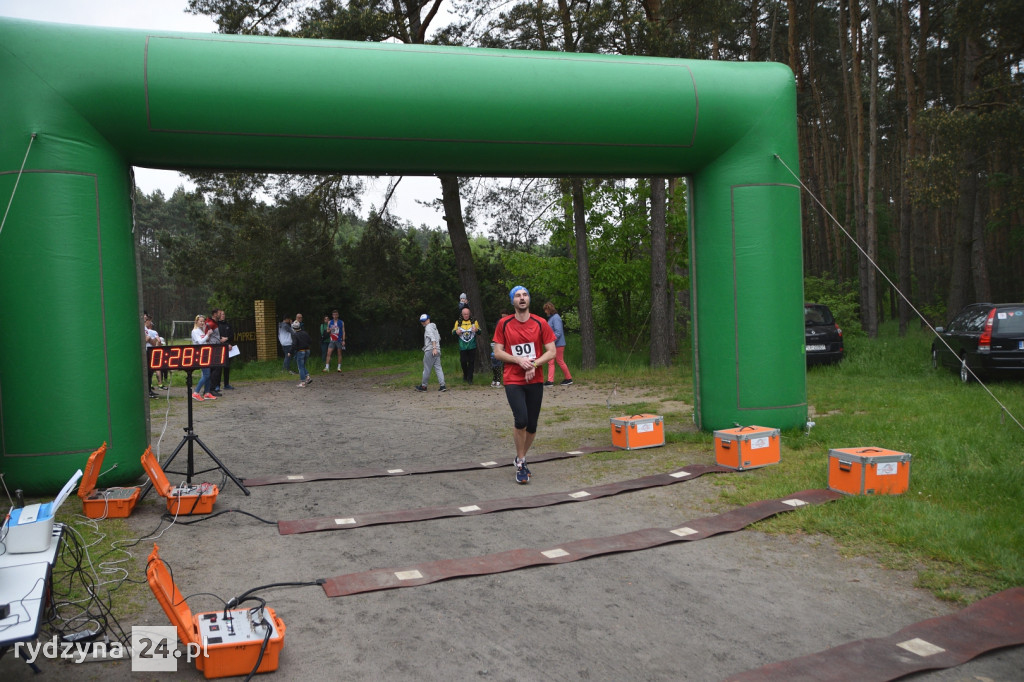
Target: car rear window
(1009,321)
(816,315)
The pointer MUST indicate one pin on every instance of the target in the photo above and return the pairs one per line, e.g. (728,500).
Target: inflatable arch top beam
(82,105)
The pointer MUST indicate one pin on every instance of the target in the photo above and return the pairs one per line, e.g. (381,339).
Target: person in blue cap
(431,354)
(523,342)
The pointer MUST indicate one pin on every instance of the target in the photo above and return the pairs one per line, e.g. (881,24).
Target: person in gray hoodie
(431,354)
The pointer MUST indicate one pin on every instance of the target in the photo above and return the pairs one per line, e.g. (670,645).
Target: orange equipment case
(228,641)
(868,471)
(747,447)
(114,503)
(638,431)
(181,500)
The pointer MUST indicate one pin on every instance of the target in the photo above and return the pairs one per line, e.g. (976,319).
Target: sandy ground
(688,611)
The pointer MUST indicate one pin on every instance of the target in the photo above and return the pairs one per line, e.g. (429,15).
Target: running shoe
(549,383)
(209,396)
(566,382)
(442,388)
(421,388)
(196,396)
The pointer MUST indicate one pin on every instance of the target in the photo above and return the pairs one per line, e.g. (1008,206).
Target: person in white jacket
(431,354)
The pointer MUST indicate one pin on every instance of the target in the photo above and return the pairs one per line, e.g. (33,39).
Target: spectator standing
(555,322)
(284,337)
(301,346)
(431,354)
(325,337)
(496,367)
(201,336)
(336,327)
(226,337)
(466,329)
(152,340)
(213,327)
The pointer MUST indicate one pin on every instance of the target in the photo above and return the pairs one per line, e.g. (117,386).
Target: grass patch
(959,523)
(96,575)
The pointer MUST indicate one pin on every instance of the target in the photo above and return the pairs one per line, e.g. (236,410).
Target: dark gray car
(984,338)
(823,338)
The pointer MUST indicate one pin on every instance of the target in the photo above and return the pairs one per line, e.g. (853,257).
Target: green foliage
(618,226)
(840,297)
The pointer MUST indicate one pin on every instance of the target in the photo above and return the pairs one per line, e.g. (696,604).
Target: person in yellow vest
(466,329)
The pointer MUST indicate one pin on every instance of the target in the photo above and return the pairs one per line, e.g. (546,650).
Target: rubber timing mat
(490,506)
(943,642)
(422,574)
(408,471)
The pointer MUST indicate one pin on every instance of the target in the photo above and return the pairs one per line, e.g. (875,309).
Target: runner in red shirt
(523,342)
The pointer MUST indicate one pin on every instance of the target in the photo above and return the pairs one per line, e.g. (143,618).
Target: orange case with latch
(98,504)
(868,471)
(747,447)
(638,431)
(196,499)
(223,659)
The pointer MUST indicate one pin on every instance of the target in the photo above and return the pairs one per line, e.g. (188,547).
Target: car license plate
(815,347)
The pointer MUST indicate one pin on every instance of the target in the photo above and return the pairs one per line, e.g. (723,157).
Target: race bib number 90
(524,350)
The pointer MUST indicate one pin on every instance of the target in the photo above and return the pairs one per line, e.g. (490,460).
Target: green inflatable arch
(80,106)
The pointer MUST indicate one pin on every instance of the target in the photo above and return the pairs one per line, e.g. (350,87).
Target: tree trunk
(679,298)
(464,262)
(871,231)
(588,342)
(906,222)
(965,246)
(660,349)
(982,287)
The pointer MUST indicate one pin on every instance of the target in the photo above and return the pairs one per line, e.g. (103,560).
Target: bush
(840,297)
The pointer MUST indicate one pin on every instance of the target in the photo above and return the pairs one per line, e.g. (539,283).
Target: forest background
(911,130)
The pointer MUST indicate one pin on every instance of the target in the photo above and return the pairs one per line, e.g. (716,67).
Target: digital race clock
(186,357)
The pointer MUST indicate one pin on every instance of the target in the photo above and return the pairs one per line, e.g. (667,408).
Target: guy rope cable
(16,181)
(917,312)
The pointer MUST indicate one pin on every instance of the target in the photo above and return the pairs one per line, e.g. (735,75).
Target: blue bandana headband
(512,294)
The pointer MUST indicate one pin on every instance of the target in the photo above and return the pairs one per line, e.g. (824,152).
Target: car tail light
(985,342)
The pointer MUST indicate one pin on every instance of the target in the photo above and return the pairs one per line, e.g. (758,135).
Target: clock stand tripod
(188,439)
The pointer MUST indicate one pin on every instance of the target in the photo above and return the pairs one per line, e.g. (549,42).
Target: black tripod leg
(221,466)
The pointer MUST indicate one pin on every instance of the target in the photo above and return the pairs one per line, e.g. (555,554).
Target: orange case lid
(166,592)
(155,473)
(92,472)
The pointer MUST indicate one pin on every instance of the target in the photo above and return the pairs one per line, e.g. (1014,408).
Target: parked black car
(988,338)
(822,336)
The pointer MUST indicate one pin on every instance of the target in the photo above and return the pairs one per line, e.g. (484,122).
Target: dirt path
(697,611)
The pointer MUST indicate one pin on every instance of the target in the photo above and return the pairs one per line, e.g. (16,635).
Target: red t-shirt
(523,339)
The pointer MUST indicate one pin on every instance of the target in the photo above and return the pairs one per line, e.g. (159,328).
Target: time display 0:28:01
(187,357)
